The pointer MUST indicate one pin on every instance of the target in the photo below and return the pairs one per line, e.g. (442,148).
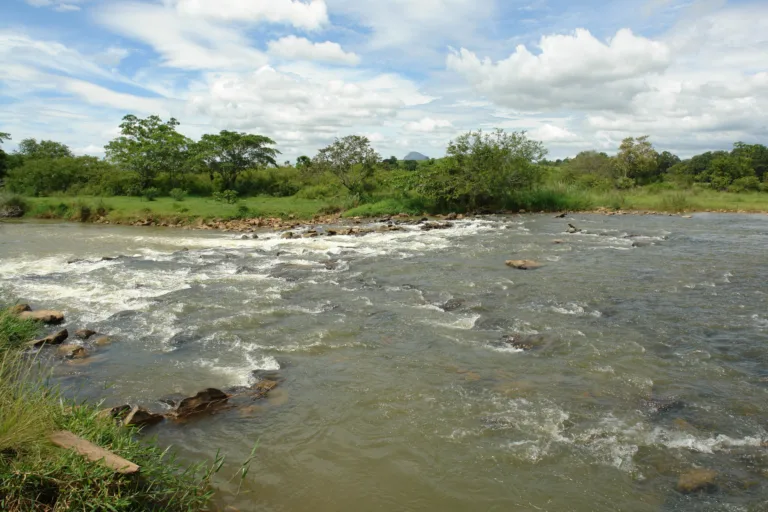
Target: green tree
(637,160)
(757,155)
(230,153)
(148,147)
(665,161)
(303,162)
(410,165)
(44,176)
(45,149)
(726,168)
(3,155)
(351,159)
(481,169)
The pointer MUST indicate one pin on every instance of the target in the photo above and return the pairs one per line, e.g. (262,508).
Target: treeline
(481,170)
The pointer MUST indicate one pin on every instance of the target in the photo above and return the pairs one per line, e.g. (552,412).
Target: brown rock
(557,241)
(523,264)
(84,334)
(93,453)
(287,235)
(206,400)
(19,308)
(44,316)
(429,226)
(118,413)
(72,351)
(140,417)
(697,480)
(102,341)
(56,338)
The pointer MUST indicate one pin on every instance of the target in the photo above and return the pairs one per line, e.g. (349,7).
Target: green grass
(36,476)
(682,200)
(124,209)
(391,206)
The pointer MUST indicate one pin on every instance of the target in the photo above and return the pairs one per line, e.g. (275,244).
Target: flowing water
(398,392)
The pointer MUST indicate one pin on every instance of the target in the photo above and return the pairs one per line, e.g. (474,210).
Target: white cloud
(67,8)
(551,133)
(306,15)
(572,71)
(186,43)
(299,48)
(428,125)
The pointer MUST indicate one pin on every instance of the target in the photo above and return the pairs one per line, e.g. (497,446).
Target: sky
(409,74)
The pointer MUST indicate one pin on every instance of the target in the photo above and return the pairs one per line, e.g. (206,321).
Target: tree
(45,149)
(351,159)
(303,162)
(757,155)
(410,165)
(3,155)
(148,147)
(481,169)
(390,163)
(665,161)
(637,160)
(726,168)
(230,153)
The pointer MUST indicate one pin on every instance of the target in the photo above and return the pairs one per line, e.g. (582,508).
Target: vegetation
(36,476)
(150,169)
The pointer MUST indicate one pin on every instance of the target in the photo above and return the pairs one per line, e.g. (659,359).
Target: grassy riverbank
(125,210)
(36,476)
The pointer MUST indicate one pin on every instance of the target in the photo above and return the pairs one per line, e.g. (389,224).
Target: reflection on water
(399,392)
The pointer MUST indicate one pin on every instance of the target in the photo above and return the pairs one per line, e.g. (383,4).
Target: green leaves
(351,159)
(230,153)
(148,147)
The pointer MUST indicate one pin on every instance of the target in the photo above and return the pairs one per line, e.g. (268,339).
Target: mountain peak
(413,155)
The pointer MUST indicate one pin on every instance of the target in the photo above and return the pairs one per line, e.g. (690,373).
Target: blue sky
(409,74)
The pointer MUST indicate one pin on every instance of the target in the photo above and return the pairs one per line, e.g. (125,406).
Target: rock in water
(140,417)
(452,305)
(697,480)
(84,334)
(429,226)
(572,229)
(205,400)
(523,264)
(526,341)
(19,308)
(287,235)
(73,351)
(118,413)
(44,316)
(56,338)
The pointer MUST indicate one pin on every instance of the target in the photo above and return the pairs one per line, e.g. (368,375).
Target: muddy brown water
(398,391)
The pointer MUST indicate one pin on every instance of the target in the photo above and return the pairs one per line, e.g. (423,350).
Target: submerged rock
(204,401)
(119,412)
(102,341)
(572,229)
(523,264)
(452,305)
(429,226)
(287,235)
(660,405)
(526,341)
(44,315)
(56,338)
(84,334)
(697,480)
(73,351)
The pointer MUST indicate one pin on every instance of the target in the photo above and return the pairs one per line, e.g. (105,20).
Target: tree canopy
(230,153)
(351,159)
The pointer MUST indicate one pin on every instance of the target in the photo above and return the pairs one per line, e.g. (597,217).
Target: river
(397,390)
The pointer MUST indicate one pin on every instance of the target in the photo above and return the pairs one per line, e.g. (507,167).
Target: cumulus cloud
(299,48)
(551,133)
(573,71)
(428,125)
(306,15)
(186,43)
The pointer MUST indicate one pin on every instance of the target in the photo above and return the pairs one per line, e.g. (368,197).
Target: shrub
(744,184)
(150,194)
(242,211)
(625,183)
(326,191)
(178,194)
(228,196)
(677,202)
(12,206)
(83,212)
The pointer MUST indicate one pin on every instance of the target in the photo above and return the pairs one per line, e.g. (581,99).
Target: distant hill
(415,156)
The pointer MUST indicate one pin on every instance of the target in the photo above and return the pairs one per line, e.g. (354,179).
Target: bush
(625,183)
(228,196)
(319,192)
(83,212)
(675,203)
(242,211)
(13,206)
(178,194)
(747,183)
(150,194)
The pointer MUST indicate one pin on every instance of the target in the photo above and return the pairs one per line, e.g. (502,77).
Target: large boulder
(523,264)
(56,338)
(44,315)
(204,401)
(696,480)
(429,226)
